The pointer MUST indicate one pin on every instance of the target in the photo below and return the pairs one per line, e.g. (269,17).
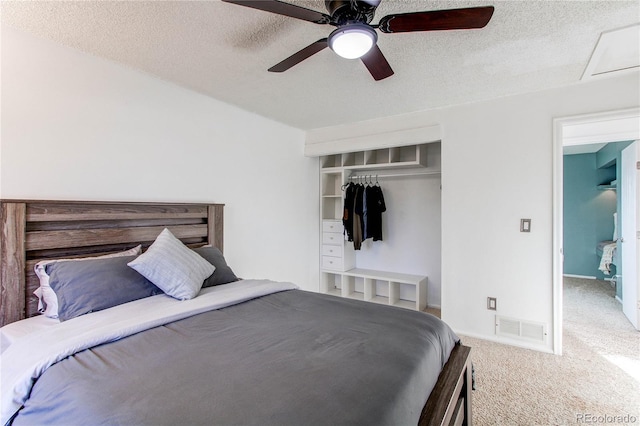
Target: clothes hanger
(346,185)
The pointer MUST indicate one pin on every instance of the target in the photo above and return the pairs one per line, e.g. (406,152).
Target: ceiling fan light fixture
(353,40)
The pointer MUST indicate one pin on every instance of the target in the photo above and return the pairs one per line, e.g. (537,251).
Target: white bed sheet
(19,329)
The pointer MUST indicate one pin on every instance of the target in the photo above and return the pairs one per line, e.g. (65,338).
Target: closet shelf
(384,158)
(384,275)
(606,187)
(413,172)
(610,185)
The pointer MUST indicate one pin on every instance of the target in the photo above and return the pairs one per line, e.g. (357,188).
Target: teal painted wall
(609,155)
(588,213)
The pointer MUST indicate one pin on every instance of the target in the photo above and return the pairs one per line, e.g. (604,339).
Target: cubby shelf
(397,157)
(377,286)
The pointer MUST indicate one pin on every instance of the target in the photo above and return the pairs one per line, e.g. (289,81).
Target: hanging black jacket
(358,219)
(347,216)
(373,213)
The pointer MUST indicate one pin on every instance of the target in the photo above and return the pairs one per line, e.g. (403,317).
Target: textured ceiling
(224,50)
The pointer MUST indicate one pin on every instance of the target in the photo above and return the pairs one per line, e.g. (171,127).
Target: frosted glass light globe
(352,41)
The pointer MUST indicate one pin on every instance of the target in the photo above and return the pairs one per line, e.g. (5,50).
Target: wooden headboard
(33,230)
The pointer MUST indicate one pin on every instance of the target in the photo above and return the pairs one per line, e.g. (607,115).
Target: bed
(251,351)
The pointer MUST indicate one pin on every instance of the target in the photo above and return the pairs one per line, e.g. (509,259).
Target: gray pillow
(223,273)
(96,284)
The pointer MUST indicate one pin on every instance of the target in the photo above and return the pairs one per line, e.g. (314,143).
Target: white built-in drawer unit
(332,238)
(333,263)
(332,226)
(332,245)
(335,251)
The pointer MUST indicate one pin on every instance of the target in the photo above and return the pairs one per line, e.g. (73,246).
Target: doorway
(580,130)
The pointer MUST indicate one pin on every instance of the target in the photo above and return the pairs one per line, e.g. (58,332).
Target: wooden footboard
(450,400)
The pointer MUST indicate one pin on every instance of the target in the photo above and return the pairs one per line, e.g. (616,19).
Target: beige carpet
(595,381)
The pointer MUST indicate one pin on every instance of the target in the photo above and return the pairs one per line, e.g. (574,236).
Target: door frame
(561,131)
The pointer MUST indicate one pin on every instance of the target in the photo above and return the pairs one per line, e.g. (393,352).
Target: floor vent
(510,327)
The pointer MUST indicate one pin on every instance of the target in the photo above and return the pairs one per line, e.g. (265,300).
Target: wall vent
(510,327)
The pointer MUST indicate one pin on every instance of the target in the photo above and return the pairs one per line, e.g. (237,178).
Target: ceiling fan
(355,36)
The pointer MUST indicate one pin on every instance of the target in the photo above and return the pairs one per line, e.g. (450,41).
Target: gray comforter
(289,358)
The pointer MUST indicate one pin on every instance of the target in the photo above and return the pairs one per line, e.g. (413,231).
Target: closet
(403,268)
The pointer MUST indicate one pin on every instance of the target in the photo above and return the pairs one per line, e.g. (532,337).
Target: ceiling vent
(509,327)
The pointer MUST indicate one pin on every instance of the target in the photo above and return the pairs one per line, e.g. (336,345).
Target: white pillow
(173,267)
(47,299)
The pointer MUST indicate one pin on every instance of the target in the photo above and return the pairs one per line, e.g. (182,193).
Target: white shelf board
(385,276)
(380,299)
(405,304)
(356,295)
(335,292)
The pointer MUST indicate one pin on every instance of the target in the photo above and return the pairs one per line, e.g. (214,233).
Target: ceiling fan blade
(451,19)
(286,9)
(377,64)
(300,56)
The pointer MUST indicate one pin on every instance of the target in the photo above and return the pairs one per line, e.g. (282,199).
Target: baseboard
(510,342)
(586,277)
(429,306)
(618,299)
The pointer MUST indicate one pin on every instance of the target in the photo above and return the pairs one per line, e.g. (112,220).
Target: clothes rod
(373,175)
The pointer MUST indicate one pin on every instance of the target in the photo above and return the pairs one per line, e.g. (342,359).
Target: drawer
(329,250)
(333,263)
(332,226)
(332,238)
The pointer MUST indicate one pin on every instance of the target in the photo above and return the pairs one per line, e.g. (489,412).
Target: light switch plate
(525,225)
(492,303)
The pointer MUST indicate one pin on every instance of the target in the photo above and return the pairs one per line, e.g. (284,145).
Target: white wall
(78,127)
(496,168)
